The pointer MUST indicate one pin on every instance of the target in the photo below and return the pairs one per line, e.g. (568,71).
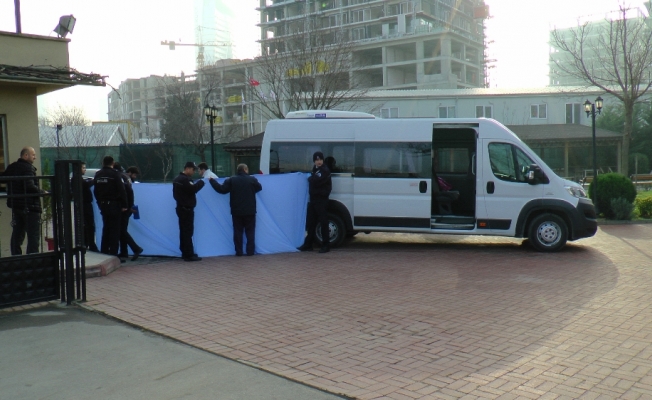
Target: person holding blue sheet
(243,189)
(184,191)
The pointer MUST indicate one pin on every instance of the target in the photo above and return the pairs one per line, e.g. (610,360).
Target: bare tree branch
(615,56)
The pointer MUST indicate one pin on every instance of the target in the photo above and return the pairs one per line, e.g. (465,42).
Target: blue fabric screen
(280,218)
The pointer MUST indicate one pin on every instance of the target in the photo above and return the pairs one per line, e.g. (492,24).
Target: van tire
(337,230)
(548,233)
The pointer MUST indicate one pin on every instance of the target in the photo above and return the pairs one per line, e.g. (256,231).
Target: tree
(65,116)
(613,119)
(313,71)
(615,56)
(183,112)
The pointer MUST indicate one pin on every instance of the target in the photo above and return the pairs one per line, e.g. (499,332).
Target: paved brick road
(394,316)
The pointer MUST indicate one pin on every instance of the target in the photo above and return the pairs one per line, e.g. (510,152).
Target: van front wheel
(548,232)
(336,229)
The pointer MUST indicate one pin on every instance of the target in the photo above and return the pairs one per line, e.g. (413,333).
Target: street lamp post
(59,128)
(211,114)
(591,110)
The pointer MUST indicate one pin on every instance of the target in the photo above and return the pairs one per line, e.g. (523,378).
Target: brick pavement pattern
(400,316)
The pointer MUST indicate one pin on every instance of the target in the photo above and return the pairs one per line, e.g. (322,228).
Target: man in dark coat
(319,188)
(184,191)
(111,199)
(126,240)
(25,211)
(243,189)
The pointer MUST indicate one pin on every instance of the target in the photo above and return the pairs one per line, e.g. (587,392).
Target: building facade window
(484,112)
(539,111)
(447,112)
(391,112)
(573,113)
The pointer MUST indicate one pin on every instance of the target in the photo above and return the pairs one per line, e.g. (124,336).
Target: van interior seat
(444,198)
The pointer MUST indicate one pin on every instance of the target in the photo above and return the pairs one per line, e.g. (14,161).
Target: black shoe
(305,247)
(193,258)
(239,254)
(123,260)
(324,249)
(137,254)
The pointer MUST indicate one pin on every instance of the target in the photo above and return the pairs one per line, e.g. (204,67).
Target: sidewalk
(67,353)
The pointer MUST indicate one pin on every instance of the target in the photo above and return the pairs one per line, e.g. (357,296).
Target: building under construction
(398,44)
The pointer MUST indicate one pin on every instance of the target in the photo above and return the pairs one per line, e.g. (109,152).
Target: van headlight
(576,191)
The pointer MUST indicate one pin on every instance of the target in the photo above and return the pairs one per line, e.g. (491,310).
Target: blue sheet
(280,218)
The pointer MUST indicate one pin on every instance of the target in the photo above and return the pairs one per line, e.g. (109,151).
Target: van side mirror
(535,175)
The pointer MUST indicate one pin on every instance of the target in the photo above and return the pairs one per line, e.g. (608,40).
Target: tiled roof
(253,143)
(82,136)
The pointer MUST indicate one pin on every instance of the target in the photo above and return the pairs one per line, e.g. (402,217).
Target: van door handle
(423,187)
(490,187)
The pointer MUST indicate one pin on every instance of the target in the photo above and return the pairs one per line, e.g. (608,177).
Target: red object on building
(481,11)
(253,82)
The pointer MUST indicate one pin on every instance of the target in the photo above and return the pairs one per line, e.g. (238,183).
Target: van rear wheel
(336,229)
(548,232)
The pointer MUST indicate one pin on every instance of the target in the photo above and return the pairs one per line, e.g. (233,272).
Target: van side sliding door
(392,185)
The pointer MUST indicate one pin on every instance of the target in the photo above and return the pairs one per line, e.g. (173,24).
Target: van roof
(327,114)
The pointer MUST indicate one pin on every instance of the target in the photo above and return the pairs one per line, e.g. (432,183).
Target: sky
(121,39)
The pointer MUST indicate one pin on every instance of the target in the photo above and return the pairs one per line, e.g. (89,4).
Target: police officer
(184,191)
(320,186)
(112,201)
(243,189)
(125,238)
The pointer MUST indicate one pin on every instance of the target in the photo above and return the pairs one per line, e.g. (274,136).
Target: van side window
(297,157)
(393,160)
(508,162)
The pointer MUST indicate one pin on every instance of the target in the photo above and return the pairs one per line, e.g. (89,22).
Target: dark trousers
(25,222)
(125,237)
(186,230)
(246,224)
(89,227)
(111,230)
(317,214)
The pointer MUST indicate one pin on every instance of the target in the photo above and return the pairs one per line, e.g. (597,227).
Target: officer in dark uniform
(184,191)
(125,238)
(319,188)
(112,200)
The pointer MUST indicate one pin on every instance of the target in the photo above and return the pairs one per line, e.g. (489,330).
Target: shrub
(622,209)
(644,206)
(611,186)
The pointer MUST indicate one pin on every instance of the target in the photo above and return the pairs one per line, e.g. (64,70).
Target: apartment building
(398,44)
(137,104)
(592,35)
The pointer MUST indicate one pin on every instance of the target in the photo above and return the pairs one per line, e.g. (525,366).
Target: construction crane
(200,56)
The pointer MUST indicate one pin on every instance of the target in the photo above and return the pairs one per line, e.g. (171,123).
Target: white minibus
(469,176)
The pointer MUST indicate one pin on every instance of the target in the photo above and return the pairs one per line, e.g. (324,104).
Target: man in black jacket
(112,200)
(184,191)
(125,238)
(319,188)
(243,189)
(25,211)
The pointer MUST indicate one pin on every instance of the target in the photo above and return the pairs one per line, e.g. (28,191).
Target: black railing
(52,272)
